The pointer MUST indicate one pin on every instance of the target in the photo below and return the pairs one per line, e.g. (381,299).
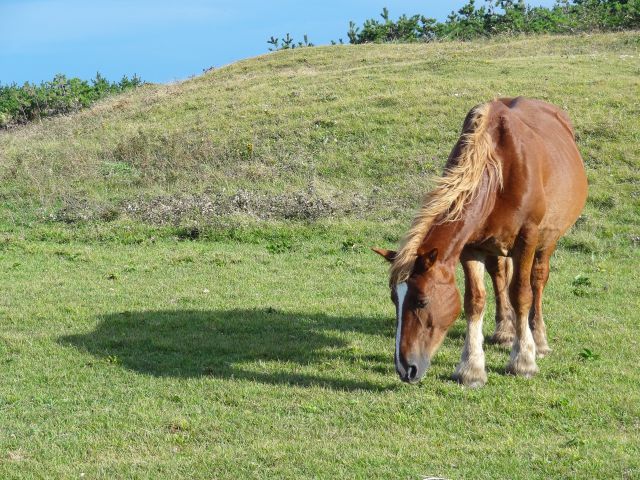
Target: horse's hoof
(476,384)
(522,369)
(470,376)
(542,351)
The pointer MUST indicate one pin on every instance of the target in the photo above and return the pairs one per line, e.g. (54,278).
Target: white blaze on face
(401,292)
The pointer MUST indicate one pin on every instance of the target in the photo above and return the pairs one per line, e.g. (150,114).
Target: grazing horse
(513,184)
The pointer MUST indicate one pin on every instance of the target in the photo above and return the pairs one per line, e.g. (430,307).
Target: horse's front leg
(470,370)
(523,353)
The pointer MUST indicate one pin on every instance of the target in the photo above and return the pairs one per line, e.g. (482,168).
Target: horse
(513,184)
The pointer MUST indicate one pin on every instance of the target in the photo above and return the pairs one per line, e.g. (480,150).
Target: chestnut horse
(513,184)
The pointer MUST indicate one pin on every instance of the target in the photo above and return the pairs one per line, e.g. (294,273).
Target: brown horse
(513,184)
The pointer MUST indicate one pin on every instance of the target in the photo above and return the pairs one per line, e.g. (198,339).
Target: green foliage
(587,354)
(405,29)
(288,42)
(23,104)
(500,18)
(581,284)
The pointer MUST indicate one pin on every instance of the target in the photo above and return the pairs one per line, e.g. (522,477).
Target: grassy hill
(343,131)
(265,348)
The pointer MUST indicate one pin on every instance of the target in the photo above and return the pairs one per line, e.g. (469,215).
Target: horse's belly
(494,246)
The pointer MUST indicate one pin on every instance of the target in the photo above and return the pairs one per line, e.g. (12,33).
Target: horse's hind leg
(539,277)
(523,353)
(470,371)
(500,270)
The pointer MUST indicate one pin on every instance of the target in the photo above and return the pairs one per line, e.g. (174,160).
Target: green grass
(319,133)
(232,341)
(223,360)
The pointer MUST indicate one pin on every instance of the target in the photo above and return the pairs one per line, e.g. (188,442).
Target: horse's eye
(422,303)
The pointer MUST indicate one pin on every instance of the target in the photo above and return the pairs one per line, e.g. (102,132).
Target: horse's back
(542,164)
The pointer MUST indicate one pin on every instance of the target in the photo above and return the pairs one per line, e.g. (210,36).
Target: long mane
(458,185)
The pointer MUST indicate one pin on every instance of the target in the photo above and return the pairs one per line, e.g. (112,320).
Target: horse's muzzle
(412,369)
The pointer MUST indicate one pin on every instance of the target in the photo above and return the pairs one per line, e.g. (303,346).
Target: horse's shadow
(233,344)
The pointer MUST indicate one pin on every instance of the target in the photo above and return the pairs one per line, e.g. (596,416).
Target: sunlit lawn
(224,360)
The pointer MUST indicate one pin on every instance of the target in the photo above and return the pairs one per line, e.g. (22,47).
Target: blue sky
(163,40)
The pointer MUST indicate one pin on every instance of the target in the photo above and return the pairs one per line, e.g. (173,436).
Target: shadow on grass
(240,344)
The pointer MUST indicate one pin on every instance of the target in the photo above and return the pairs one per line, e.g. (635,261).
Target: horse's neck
(451,237)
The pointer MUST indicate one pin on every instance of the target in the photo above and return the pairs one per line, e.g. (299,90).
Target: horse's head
(427,304)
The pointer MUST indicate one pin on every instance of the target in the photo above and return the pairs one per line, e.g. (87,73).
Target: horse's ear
(428,258)
(389,255)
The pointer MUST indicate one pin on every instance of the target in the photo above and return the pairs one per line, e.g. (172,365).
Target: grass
(219,359)
(223,339)
(319,133)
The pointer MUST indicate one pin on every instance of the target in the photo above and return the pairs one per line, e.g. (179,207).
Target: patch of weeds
(220,260)
(188,233)
(559,403)
(69,256)
(581,222)
(603,202)
(352,245)
(311,408)
(109,214)
(112,360)
(182,259)
(605,233)
(339,262)
(581,284)
(239,149)
(279,246)
(217,261)
(209,371)
(587,354)
(324,123)
(72,210)
(249,150)
(327,97)
(179,209)
(116,168)
(576,245)
(574,442)
(581,280)
(385,102)
(178,426)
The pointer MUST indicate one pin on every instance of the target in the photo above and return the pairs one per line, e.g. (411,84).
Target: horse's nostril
(412,372)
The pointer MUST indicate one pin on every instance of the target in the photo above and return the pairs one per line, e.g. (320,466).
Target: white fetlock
(471,372)
(542,347)
(542,350)
(523,357)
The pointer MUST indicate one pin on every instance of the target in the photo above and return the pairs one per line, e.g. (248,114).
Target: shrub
(288,42)
(500,17)
(29,102)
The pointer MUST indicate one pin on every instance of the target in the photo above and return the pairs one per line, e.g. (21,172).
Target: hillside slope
(323,132)
(266,351)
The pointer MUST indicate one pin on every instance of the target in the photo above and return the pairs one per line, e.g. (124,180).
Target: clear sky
(164,40)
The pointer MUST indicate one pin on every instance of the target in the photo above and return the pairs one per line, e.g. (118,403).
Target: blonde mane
(453,190)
